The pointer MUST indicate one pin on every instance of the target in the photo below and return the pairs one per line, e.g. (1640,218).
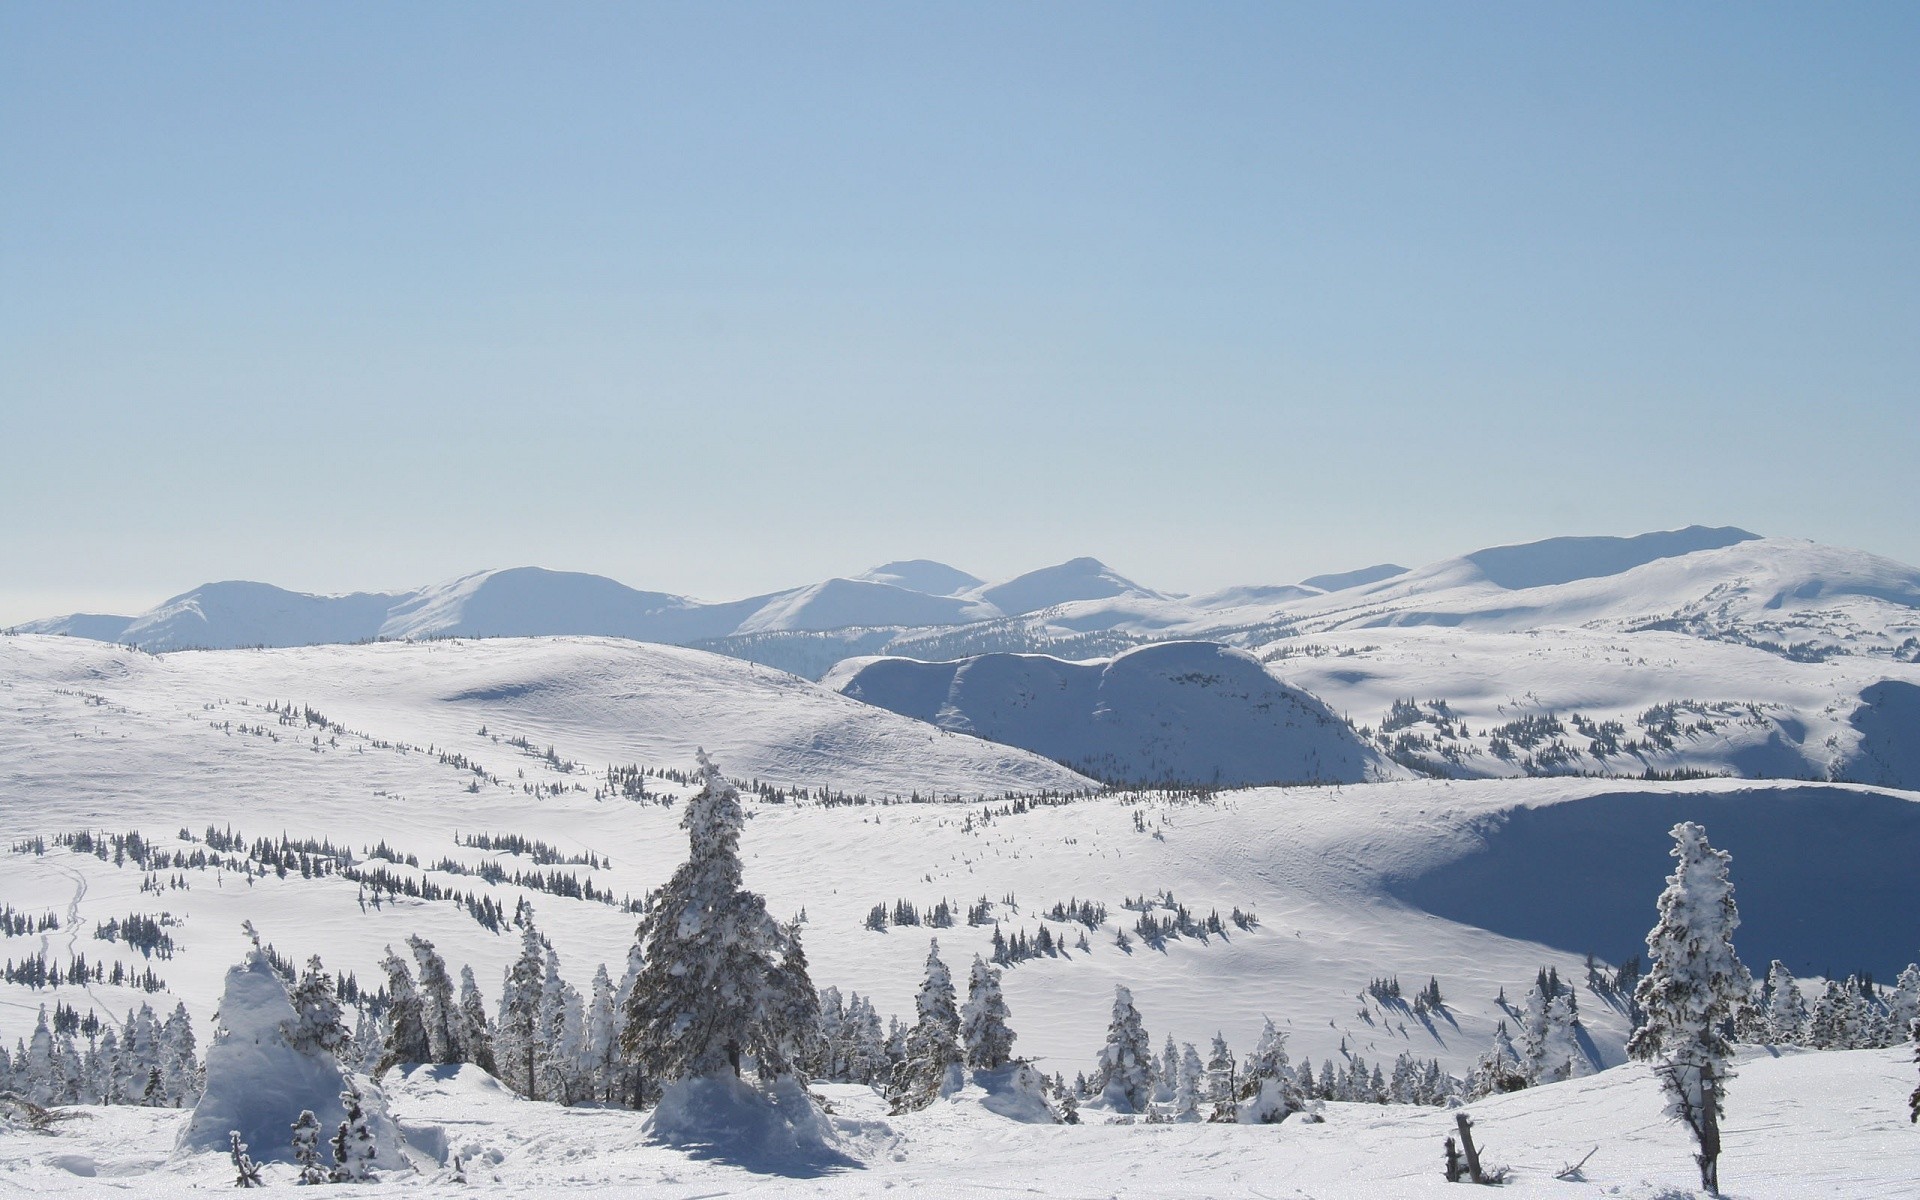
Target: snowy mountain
(924,576)
(1175,712)
(1078,579)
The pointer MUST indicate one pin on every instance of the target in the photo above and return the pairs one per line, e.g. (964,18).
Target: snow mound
(258,1083)
(1015,1091)
(1565,559)
(777,1132)
(1172,712)
(1340,581)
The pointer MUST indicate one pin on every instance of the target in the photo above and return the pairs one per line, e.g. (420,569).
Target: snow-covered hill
(1174,712)
(383,743)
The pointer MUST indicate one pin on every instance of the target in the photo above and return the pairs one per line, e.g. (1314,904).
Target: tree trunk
(1709,1131)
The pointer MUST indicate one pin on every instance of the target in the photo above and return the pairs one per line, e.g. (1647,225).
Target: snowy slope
(1800,1126)
(1348,882)
(923,575)
(841,603)
(1077,579)
(1175,712)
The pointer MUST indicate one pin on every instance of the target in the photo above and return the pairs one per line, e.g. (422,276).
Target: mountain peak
(1075,579)
(1566,559)
(922,575)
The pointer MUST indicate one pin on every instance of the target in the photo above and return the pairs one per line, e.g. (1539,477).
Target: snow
(1800,1125)
(923,575)
(1077,579)
(257,1083)
(1172,711)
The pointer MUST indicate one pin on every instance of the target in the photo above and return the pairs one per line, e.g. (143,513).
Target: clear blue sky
(720,298)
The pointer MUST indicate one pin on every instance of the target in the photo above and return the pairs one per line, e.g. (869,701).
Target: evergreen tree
(1786,1007)
(406,1040)
(438,1012)
(600,1054)
(1270,1089)
(1223,1082)
(306,1150)
(476,1032)
(1690,993)
(1125,1074)
(1499,1069)
(793,1006)
(519,1044)
(354,1148)
(1191,1084)
(700,1005)
(319,1026)
(933,1047)
(1828,1028)
(180,1066)
(983,1022)
(562,1028)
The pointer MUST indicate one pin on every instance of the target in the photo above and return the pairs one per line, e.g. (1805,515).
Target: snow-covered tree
(355,1147)
(562,1029)
(438,1011)
(1903,1008)
(1499,1069)
(933,1047)
(1223,1080)
(793,1006)
(1125,1074)
(306,1150)
(1270,1090)
(1786,1007)
(700,1004)
(476,1032)
(319,1026)
(519,1044)
(600,1057)
(179,1065)
(1190,1085)
(38,1074)
(1831,1026)
(983,1021)
(1690,993)
(406,1036)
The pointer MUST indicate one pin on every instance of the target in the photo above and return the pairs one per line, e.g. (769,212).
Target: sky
(717,299)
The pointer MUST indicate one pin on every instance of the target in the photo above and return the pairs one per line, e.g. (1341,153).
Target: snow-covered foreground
(1799,1125)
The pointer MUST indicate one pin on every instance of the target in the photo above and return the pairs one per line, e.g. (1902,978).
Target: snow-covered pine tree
(476,1032)
(1786,1007)
(600,1057)
(518,1044)
(306,1150)
(562,1029)
(248,1170)
(1190,1084)
(983,1020)
(933,1047)
(319,1027)
(1166,1072)
(1499,1069)
(1270,1089)
(438,1011)
(354,1147)
(1223,1080)
(1125,1074)
(793,1007)
(1827,1029)
(1903,1007)
(833,1035)
(180,1065)
(38,1076)
(700,1003)
(406,1040)
(1689,994)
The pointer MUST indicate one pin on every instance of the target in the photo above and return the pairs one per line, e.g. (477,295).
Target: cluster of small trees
(146,1061)
(1849,1014)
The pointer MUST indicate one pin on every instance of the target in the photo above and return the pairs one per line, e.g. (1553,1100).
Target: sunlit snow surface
(1348,883)
(1799,1126)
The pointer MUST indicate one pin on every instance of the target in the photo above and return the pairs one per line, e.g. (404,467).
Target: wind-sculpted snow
(1822,874)
(1176,712)
(1563,560)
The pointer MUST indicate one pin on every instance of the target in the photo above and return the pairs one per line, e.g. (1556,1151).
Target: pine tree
(983,1021)
(1786,1007)
(1223,1083)
(354,1148)
(700,1006)
(518,1044)
(248,1170)
(406,1040)
(438,1012)
(1190,1085)
(179,1066)
(476,1032)
(1691,991)
(600,1053)
(306,1149)
(792,1006)
(1828,1027)
(1270,1089)
(933,1047)
(319,1027)
(1125,1074)
(1499,1069)
(562,1029)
